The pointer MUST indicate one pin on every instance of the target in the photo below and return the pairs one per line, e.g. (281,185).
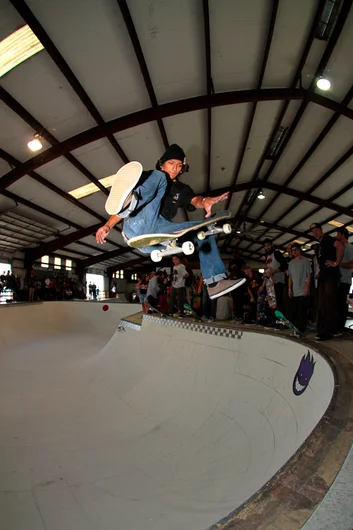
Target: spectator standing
(141,288)
(253,283)
(235,269)
(299,279)
(276,266)
(328,251)
(346,267)
(179,274)
(152,290)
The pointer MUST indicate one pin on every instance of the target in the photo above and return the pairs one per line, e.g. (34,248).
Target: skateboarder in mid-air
(149,202)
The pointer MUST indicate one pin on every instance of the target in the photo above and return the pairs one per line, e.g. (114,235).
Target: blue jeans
(145,219)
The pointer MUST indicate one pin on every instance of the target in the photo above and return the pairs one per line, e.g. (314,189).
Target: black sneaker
(324,338)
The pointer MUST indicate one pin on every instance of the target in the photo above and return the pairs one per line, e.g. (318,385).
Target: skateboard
(285,321)
(261,317)
(189,312)
(170,241)
(271,294)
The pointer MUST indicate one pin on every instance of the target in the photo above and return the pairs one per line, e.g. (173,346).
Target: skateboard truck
(172,248)
(213,229)
(188,247)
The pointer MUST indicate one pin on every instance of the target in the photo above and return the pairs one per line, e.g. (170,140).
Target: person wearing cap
(346,267)
(152,202)
(329,253)
(299,278)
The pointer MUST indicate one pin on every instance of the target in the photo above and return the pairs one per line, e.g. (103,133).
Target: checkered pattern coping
(201,328)
(127,324)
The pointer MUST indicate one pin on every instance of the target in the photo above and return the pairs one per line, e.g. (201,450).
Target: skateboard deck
(261,317)
(287,322)
(170,241)
(271,294)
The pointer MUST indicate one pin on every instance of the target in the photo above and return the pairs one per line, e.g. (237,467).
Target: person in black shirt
(155,202)
(329,254)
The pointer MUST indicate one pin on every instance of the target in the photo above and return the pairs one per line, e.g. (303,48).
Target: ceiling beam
(209,88)
(49,185)
(296,78)
(270,30)
(142,63)
(318,183)
(27,15)
(17,108)
(146,116)
(332,121)
(108,255)
(337,30)
(57,244)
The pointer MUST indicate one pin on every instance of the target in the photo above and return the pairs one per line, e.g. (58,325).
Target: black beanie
(174,152)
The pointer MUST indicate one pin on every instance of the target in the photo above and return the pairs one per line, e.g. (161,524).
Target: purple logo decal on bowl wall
(304,374)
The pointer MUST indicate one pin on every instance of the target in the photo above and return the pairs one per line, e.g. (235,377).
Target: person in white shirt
(346,267)
(299,279)
(178,286)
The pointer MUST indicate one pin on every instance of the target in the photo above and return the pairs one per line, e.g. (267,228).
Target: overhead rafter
(148,115)
(332,121)
(142,63)
(209,88)
(296,78)
(167,109)
(337,30)
(270,30)
(49,185)
(38,178)
(17,108)
(106,256)
(60,243)
(27,15)
(318,183)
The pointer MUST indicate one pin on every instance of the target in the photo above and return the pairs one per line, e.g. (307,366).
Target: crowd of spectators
(312,292)
(40,288)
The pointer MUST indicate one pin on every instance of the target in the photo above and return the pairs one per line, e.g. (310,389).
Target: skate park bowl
(105,424)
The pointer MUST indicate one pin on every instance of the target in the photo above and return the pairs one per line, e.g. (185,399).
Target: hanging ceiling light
(35,144)
(261,195)
(323,84)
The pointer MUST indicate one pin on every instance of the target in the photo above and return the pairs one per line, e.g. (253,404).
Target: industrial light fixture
(17,48)
(323,84)
(238,231)
(261,195)
(35,144)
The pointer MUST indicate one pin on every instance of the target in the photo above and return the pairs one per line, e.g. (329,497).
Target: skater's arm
(339,255)
(104,230)
(307,285)
(348,265)
(207,202)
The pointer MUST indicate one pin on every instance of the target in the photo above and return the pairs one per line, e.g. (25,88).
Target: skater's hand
(102,233)
(210,201)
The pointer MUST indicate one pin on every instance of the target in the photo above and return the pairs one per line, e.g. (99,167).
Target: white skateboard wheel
(227,228)
(156,255)
(188,248)
(201,235)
